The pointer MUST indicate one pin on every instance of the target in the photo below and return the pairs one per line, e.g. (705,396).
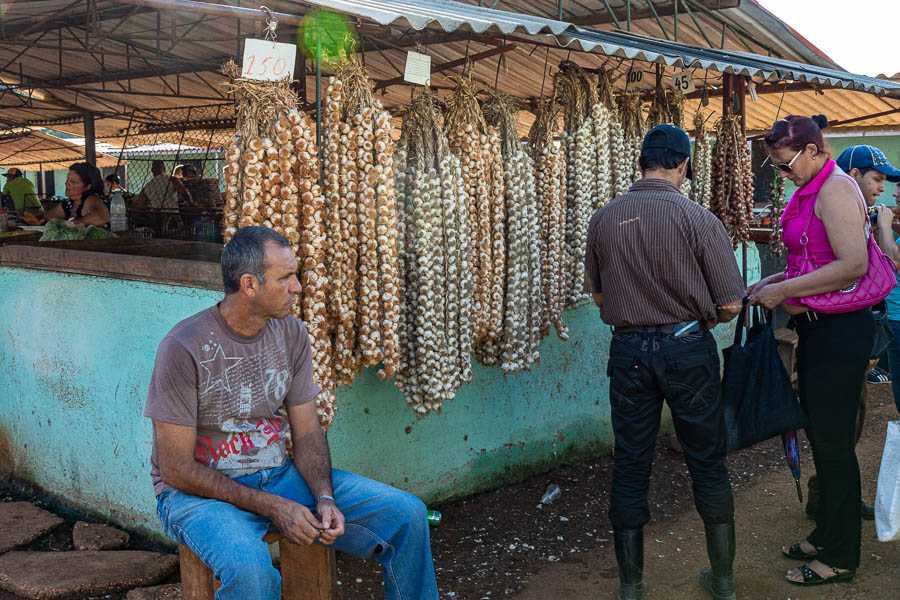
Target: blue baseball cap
(670,137)
(868,157)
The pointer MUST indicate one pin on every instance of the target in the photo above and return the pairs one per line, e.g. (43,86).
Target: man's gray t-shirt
(231,388)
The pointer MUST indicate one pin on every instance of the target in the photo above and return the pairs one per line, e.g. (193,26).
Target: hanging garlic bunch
(701,163)
(478,147)
(522,317)
(619,174)
(732,180)
(578,95)
(550,178)
(271,181)
(362,215)
(435,337)
(632,117)
(776,199)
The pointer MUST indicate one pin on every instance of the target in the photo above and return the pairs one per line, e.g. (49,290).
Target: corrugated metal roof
(642,48)
(32,150)
(449,16)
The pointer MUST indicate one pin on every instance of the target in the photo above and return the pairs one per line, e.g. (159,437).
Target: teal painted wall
(889,144)
(78,351)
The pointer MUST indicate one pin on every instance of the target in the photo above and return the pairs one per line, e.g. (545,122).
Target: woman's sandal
(797,553)
(810,577)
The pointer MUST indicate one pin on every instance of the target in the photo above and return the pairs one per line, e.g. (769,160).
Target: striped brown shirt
(658,258)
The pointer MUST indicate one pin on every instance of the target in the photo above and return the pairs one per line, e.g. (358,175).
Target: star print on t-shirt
(217,369)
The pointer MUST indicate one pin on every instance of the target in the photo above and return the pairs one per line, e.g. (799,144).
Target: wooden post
(90,141)
(307,572)
(197,580)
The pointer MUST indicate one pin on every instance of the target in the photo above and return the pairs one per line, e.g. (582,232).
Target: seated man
(19,191)
(217,397)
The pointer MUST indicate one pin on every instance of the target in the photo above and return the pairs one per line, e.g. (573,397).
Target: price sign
(418,68)
(637,80)
(268,61)
(683,82)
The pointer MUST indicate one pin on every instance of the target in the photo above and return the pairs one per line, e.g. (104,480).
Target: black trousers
(833,355)
(644,370)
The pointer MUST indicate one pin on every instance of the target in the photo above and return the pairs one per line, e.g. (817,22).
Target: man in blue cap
(870,168)
(886,235)
(662,270)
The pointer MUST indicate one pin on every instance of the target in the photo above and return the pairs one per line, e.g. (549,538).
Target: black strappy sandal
(810,577)
(797,553)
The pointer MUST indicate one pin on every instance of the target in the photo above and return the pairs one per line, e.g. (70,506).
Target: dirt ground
(504,544)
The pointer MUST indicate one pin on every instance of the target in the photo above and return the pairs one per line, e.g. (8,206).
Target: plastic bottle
(552,493)
(117,213)
(434,518)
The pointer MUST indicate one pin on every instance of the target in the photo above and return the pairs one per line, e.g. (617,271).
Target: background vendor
(85,202)
(19,191)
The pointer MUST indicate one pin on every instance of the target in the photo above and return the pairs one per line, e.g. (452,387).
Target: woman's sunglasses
(788,166)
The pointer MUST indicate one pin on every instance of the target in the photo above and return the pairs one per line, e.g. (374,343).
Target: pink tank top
(793,222)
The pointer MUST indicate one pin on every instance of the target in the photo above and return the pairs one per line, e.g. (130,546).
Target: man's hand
(332,521)
(297,523)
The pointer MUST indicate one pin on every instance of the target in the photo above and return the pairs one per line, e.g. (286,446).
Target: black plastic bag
(758,397)
(884,335)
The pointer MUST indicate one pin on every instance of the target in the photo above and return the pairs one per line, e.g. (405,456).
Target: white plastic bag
(887,499)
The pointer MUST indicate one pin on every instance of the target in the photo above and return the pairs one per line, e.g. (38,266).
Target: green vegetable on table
(58,230)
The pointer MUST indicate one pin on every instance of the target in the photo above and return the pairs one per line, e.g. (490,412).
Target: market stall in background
(438,212)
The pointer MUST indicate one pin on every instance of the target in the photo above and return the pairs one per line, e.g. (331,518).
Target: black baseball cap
(670,137)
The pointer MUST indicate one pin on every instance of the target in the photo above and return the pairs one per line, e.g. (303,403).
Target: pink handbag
(872,288)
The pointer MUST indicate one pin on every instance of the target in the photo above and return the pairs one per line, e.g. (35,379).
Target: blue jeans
(894,361)
(380,520)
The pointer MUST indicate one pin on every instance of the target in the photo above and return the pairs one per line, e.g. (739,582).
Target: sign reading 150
(261,68)
(268,61)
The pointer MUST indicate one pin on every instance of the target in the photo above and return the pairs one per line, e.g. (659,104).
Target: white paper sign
(638,80)
(683,82)
(268,61)
(418,68)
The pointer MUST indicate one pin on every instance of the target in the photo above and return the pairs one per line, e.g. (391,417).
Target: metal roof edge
(449,15)
(649,49)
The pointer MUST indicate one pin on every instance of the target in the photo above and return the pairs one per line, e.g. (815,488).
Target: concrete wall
(77,354)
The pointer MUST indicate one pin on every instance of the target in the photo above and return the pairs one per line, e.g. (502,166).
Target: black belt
(658,328)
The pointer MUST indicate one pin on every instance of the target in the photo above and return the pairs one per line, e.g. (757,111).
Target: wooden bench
(787,349)
(307,572)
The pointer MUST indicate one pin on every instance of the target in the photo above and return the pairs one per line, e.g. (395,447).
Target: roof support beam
(31,25)
(143,73)
(221,10)
(451,65)
(617,15)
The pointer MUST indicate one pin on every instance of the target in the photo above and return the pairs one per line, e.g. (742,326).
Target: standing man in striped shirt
(663,272)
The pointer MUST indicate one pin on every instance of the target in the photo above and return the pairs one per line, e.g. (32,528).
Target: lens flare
(329,35)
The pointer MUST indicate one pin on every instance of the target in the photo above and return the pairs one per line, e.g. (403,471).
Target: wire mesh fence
(184,143)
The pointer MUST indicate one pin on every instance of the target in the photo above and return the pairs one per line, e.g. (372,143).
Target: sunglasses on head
(788,166)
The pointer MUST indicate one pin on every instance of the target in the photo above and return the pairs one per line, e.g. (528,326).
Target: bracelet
(325,497)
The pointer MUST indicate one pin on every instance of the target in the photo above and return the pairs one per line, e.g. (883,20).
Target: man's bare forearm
(199,480)
(313,461)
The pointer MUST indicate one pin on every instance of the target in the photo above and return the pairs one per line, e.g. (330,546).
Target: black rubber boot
(630,556)
(719,580)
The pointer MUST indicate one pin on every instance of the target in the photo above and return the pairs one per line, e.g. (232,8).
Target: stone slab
(57,575)
(22,522)
(170,591)
(94,536)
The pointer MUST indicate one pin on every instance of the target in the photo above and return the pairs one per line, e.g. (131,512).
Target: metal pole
(90,141)
(319,106)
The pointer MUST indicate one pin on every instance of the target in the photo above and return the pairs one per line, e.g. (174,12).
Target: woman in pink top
(834,349)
